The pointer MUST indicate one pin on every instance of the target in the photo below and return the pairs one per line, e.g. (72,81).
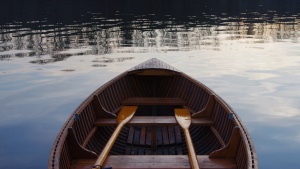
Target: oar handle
(102,157)
(192,153)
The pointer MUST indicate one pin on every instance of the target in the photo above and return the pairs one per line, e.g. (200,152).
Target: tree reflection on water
(102,27)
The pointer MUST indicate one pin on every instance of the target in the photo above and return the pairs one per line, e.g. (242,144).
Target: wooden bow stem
(124,117)
(183,118)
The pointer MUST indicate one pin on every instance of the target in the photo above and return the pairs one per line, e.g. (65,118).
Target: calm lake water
(53,54)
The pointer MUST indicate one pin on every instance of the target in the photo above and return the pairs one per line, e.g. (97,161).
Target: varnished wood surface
(75,149)
(157,161)
(154,72)
(216,133)
(153,101)
(124,117)
(153,121)
(141,140)
(183,118)
(208,109)
(92,132)
(106,101)
(153,64)
(230,150)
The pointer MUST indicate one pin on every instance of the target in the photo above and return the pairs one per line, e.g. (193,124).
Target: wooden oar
(183,118)
(124,117)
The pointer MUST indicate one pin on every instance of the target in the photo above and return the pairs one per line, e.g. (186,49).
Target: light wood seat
(157,161)
(153,121)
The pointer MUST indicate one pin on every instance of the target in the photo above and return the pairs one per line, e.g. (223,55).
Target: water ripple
(165,30)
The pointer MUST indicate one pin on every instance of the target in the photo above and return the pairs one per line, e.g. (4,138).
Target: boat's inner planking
(159,135)
(153,132)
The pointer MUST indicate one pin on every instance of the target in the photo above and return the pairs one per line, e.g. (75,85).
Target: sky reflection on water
(53,58)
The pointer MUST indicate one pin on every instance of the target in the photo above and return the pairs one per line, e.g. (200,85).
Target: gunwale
(152,64)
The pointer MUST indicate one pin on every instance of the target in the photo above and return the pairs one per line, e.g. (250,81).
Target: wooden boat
(153,116)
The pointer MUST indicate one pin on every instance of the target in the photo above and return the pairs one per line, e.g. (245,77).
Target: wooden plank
(159,137)
(208,109)
(213,129)
(153,101)
(141,151)
(166,151)
(178,150)
(165,135)
(149,136)
(154,138)
(133,151)
(89,136)
(153,121)
(136,138)
(154,72)
(75,149)
(177,134)
(157,161)
(127,150)
(159,152)
(130,135)
(230,150)
(148,152)
(171,134)
(143,136)
(172,151)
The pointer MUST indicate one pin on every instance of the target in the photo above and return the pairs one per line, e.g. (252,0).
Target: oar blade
(126,114)
(183,117)
(124,117)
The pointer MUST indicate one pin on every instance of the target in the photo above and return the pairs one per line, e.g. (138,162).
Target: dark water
(54,53)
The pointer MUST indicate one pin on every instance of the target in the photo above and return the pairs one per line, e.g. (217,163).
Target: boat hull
(220,139)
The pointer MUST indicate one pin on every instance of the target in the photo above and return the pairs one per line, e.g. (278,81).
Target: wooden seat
(157,161)
(153,121)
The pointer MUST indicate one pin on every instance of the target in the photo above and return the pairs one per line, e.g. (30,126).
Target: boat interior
(153,138)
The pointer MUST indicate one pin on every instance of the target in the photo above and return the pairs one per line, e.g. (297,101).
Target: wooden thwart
(153,121)
(153,101)
(157,161)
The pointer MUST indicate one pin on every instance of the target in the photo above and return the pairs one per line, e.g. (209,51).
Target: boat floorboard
(157,161)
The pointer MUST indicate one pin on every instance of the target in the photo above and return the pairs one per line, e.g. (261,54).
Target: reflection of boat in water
(147,132)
